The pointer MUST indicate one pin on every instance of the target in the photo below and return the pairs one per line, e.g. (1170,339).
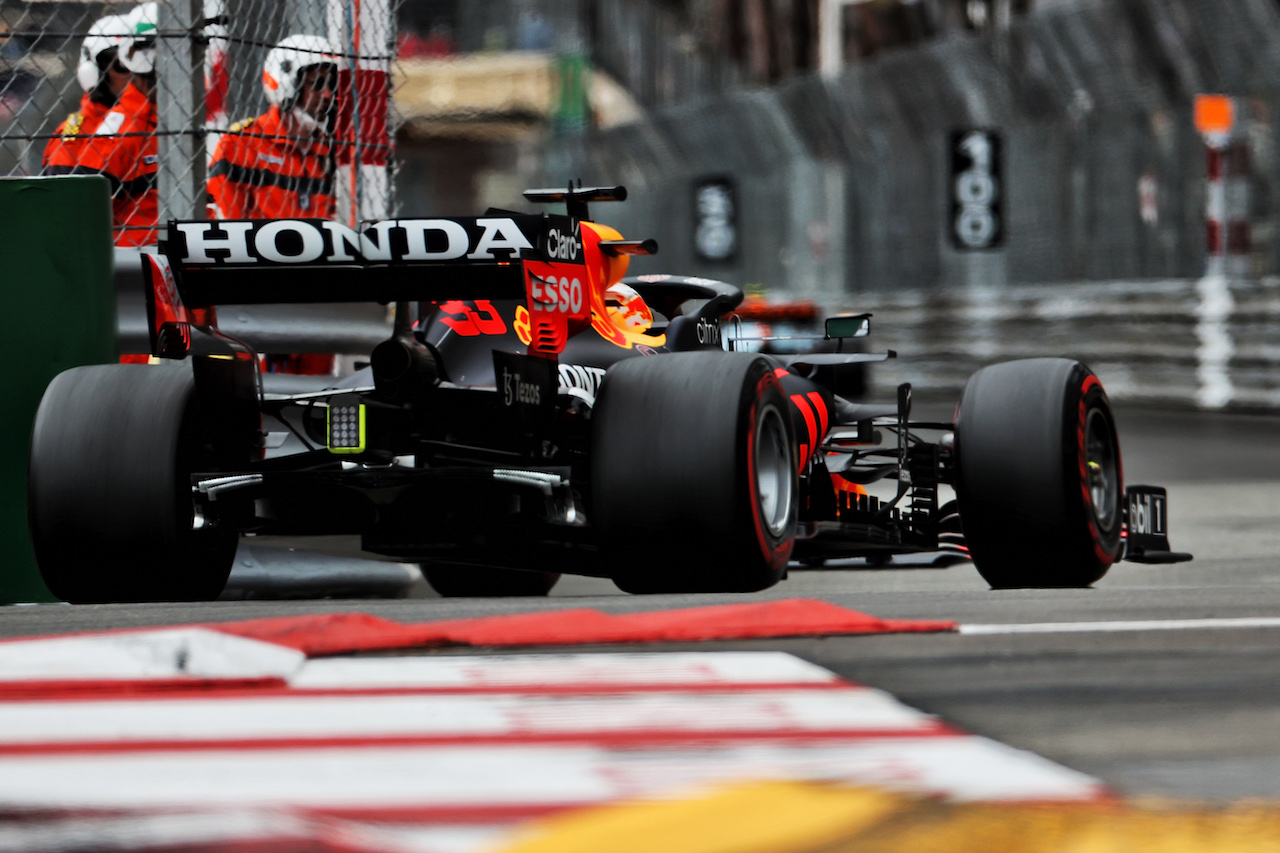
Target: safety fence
(846,184)
(650,49)
(208,58)
(855,191)
(1211,342)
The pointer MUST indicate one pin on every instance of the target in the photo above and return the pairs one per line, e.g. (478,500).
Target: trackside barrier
(1141,232)
(844,185)
(59,312)
(1197,343)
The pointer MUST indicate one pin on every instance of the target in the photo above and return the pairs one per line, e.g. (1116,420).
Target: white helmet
(106,34)
(138,53)
(287,60)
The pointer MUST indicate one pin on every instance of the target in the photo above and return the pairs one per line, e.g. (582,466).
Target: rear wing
(311,260)
(552,263)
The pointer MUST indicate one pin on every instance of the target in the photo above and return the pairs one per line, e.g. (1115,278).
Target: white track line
(520,672)
(162,653)
(852,712)
(340,781)
(1132,625)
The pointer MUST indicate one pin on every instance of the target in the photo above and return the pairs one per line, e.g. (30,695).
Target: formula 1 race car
(535,412)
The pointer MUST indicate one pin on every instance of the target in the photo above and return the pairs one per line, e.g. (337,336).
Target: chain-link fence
(844,189)
(844,184)
(59,85)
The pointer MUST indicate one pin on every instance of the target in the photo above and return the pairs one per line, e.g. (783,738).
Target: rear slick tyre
(109,488)
(694,485)
(1038,475)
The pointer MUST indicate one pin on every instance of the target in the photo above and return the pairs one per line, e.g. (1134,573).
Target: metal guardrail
(1205,343)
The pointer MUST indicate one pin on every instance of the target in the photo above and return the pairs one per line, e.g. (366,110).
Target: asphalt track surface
(1161,680)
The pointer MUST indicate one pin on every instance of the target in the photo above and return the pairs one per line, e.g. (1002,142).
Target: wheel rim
(1102,469)
(773,472)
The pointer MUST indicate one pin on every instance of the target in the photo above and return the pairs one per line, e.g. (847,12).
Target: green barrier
(59,311)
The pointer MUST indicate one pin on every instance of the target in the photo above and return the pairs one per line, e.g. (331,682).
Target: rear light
(346,425)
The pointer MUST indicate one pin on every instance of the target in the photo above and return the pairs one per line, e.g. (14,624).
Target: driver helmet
(99,48)
(138,51)
(283,68)
(627,309)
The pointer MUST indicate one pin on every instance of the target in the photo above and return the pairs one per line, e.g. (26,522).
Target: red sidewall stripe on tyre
(775,556)
(1095,535)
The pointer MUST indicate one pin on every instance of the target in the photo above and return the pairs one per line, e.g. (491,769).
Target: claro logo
(564,246)
(300,241)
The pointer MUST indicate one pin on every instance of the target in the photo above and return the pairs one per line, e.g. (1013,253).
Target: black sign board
(715,209)
(977,190)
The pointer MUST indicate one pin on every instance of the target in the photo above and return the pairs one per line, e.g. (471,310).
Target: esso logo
(562,247)
(557,294)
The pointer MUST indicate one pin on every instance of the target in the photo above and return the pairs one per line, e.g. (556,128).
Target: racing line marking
(1133,625)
